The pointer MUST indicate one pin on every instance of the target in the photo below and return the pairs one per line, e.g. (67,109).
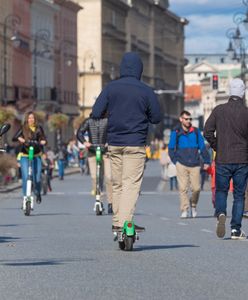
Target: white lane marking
(158,193)
(57,193)
(181,223)
(70,193)
(206,230)
(84,193)
(164,219)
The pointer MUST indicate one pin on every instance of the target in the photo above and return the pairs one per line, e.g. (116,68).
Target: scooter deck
(120,230)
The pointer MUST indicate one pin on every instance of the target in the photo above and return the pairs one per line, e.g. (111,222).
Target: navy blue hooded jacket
(130,105)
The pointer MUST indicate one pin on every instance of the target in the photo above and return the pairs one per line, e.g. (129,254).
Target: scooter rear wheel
(28,208)
(128,241)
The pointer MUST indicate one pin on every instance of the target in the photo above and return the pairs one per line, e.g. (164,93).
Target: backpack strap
(196,131)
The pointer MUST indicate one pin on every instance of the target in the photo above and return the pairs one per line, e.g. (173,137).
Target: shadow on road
(50,214)
(34,262)
(159,247)
(7,239)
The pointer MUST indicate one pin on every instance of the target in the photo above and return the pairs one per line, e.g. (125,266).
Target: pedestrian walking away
(130,105)
(185,143)
(226,130)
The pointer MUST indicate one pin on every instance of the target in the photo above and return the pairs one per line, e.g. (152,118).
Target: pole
(35,69)
(4,100)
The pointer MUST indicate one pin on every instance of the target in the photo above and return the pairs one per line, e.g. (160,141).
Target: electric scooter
(126,236)
(98,207)
(28,201)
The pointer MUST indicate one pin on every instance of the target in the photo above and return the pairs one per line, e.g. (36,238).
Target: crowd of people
(185,161)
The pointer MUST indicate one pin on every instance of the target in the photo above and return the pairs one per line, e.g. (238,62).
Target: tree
(41,116)
(57,122)
(7,114)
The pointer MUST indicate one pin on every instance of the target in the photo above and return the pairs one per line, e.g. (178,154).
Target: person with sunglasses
(185,147)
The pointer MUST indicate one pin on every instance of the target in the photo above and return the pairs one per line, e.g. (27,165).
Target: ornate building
(109,28)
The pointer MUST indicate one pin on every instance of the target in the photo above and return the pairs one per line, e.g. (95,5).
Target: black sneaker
(116,228)
(139,228)
(221,228)
(238,235)
(38,199)
(110,210)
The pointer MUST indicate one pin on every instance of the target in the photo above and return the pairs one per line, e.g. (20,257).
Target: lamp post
(237,42)
(90,56)
(15,21)
(66,57)
(44,36)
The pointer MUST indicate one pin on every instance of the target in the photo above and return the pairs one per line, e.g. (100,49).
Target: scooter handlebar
(32,143)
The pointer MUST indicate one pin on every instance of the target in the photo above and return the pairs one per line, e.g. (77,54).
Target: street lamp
(14,20)
(65,57)
(44,36)
(237,48)
(237,42)
(89,57)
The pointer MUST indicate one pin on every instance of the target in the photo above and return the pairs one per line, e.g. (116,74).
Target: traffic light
(215,82)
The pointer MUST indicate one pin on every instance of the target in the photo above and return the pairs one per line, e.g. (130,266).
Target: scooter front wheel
(28,208)
(122,245)
(98,210)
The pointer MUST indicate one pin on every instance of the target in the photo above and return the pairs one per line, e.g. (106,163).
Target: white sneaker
(184,214)
(194,212)
(238,235)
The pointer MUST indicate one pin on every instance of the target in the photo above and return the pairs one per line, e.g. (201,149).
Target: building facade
(109,28)
(199,73)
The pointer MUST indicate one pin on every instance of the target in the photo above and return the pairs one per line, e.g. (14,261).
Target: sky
(208,22)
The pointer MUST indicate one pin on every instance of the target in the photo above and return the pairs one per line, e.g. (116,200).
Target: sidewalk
(17,185)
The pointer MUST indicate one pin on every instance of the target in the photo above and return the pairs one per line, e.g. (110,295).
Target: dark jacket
(130,104)
(226,130)
(37,136)
(184,147)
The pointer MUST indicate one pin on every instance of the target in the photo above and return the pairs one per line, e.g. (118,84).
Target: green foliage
(57,121)
(7,114)
(41,116)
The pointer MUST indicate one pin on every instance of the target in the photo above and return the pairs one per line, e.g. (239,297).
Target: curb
(11,189)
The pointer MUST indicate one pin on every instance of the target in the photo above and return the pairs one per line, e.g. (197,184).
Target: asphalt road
(64,251)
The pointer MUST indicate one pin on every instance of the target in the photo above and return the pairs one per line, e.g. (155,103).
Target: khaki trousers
(127,166)
(107,174)
(188,177)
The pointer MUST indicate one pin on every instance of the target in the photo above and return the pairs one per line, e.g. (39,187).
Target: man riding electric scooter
(131,105)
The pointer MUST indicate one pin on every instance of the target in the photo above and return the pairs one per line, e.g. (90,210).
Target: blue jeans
(61,166)
(36,168)
(239,174)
